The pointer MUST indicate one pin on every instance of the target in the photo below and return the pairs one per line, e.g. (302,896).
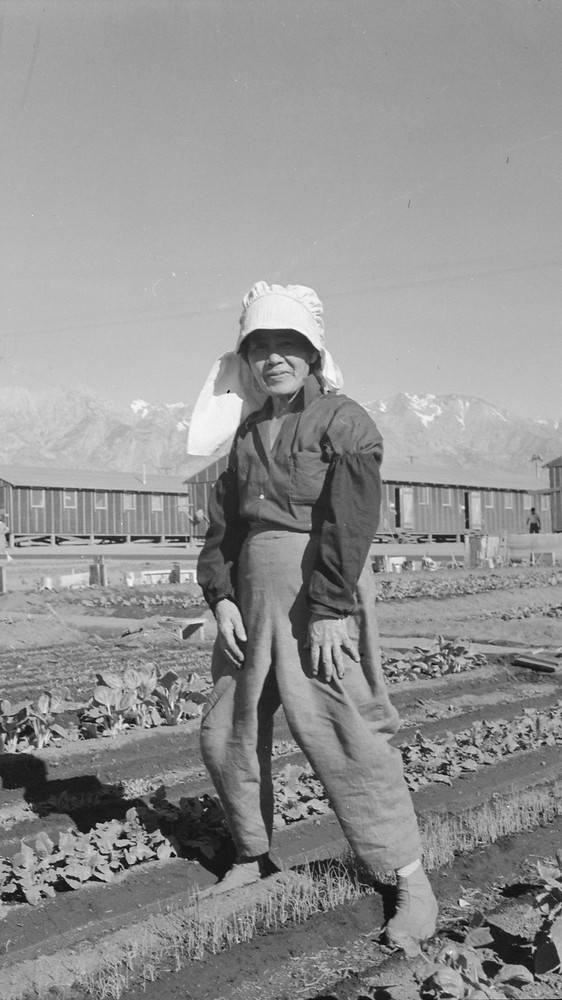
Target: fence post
(98,572)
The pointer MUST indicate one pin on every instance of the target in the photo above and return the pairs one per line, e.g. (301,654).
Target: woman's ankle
(407,870)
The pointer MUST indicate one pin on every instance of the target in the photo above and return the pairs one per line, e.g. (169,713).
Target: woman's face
(280,360)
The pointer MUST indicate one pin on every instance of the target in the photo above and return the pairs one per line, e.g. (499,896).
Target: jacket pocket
(307,476)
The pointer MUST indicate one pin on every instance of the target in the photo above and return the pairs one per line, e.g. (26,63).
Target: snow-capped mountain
(80,430)
(142,409)
(463,432)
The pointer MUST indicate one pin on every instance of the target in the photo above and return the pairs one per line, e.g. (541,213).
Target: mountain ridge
(82,430)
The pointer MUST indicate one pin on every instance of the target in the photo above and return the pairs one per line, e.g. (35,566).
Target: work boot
(244,871)
(416,911)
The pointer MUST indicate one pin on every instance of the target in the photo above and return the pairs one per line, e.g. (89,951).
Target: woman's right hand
(230,631)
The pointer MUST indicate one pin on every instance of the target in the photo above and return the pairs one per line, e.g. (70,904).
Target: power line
(451,271)
(71,327)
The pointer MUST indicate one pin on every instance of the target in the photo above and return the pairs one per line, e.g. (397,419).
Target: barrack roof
(471,478)
(414,473)
(36,477)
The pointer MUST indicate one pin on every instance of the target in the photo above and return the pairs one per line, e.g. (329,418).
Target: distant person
(4,554)
(200,518)
(286,569)
(533,522)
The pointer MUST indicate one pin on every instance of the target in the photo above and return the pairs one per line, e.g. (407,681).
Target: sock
(408,869)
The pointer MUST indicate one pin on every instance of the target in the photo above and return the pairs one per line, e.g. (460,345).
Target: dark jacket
(322,476)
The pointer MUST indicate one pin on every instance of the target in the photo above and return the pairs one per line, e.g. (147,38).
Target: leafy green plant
(38,871)
(133,597)
(141,697)
(108,712)
(13,723)
(33,875)
(423,585)
(443,656)
(528,611)
(43,722)
(427,760)
(30,724)
(197,822)
(458,974)
(298,794)
(178,698)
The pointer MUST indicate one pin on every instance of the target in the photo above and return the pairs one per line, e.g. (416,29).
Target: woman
(285,569)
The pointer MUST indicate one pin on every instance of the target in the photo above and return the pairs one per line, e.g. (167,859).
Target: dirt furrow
(310,840)
(54,791)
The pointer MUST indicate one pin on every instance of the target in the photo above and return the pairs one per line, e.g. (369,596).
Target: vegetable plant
(141,697)
(30,724)
(37,872)
(443,656)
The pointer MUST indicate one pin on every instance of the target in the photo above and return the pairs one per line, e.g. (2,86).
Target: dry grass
(514,812)
(193,933)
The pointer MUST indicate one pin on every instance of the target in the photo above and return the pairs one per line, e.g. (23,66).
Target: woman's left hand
(327,637)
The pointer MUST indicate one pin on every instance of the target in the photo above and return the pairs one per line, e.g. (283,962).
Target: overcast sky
(402,157)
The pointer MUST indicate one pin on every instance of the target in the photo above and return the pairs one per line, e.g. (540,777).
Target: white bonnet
(290,307)
(273,307)
(230,392)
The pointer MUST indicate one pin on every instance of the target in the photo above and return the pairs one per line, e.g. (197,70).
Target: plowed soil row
(81,784)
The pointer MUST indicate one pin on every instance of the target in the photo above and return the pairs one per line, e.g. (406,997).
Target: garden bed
(76,784)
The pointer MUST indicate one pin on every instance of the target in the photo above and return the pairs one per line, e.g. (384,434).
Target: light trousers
(343,729)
